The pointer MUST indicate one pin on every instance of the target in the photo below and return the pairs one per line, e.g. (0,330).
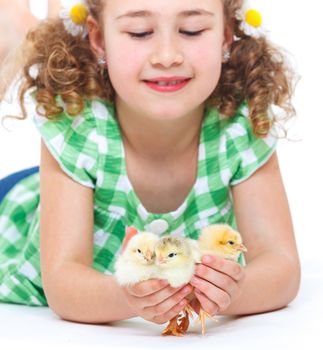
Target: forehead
(127,9)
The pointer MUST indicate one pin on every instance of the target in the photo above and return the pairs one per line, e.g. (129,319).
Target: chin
(169,111)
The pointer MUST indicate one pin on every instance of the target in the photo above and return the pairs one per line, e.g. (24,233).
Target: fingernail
(186,289)
(207,259)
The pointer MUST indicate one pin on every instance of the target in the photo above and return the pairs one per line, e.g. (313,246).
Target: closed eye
(139,35)
(192,33)
(145,34)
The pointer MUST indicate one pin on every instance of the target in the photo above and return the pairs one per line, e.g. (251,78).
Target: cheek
(122,68)
(207,55)
(207,61)
(208,65)
(120,62)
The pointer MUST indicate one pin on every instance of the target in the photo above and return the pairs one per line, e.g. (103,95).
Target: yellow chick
(175,262)
(137,262)
(223,241)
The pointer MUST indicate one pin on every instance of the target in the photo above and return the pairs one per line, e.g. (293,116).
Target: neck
(160,140)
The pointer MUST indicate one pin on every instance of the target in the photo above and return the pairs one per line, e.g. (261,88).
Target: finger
(168,315)
(166,294)
(148,287)
(219,279)
(169,303)
(215,294)
(206,304)
(228,267)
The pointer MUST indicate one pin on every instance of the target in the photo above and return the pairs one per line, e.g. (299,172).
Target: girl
(153,114)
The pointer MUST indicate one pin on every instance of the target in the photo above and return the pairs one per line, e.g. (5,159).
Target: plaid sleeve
(73,143)
(245,152)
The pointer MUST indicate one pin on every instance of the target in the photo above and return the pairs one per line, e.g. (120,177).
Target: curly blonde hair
(257,72)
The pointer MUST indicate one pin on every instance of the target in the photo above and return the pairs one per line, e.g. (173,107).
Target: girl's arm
(74,290)
(15,20)
(53,8)
(272,276)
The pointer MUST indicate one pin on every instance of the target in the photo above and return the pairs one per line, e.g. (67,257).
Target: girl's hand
(155,300)
(217,284)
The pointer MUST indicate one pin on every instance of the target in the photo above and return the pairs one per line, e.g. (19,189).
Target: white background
(295,25)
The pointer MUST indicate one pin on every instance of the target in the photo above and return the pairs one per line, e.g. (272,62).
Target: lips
(167,84)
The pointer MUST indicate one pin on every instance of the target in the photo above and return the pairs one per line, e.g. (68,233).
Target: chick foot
(173,328)
(202,316)
(179,324)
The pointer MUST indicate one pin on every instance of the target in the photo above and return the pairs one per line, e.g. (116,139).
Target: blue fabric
(7,183)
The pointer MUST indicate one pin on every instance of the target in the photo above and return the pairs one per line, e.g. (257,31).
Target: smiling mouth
(167,83)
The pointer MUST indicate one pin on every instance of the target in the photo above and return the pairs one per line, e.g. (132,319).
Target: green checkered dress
(89,149)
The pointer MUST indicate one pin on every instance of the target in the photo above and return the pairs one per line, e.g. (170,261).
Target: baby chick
(136,263)
(175,262)
(223,241)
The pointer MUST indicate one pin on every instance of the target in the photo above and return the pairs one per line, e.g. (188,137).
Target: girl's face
(144,40)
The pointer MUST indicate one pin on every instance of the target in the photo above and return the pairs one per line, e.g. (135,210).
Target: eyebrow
(183,14)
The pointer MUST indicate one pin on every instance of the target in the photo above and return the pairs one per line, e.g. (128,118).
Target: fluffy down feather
(137,262)
(221,240)
(175,260)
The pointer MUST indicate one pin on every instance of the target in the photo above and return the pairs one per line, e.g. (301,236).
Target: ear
(227,38)
(96,37)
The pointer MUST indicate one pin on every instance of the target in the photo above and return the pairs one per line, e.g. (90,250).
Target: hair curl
(256,72)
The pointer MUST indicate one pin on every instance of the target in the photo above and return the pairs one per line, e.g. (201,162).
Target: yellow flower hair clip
(74,15)
(251,21)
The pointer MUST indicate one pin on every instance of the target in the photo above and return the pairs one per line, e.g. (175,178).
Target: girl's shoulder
(240,150)
(238,127)
(77,142)
(100,110)
(223,122)
(95,111)
(241,117)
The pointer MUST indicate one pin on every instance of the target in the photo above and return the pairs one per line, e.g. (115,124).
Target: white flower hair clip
(74,15)
(251,21)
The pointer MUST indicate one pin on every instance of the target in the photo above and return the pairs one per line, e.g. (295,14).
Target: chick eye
(171,255)
(231,242)
(139,251)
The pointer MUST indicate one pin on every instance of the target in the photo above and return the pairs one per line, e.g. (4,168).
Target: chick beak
(242,248)
(149,255)
(160,261)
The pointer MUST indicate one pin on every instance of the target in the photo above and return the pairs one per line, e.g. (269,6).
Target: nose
(167,52)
